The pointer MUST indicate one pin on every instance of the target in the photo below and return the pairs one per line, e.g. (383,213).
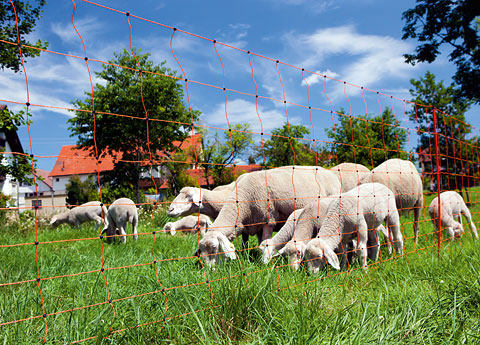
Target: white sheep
(92,210)
(189,224)
(262,199)
(195,200)
(120,212)
(403,179)
(309,221)
(452,206)
(350,217)
(350,174)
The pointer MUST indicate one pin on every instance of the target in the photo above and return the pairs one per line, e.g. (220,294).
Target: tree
(451,128)
(217,153)
(27,16)
(453,23)
(146,96)
(80,192)
(368,140)
(19,166)
(279,150)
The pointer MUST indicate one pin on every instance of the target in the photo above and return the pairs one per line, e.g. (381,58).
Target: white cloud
(318,77)
(242,111)
(85,26)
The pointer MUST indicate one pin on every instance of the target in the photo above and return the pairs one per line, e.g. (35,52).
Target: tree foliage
(27,15)
(19,166)
(80,192)
(287,147)
(368,140)
(152,116)
(453,23)
(451,125)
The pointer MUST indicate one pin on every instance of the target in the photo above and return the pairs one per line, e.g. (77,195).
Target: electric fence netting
(56,276)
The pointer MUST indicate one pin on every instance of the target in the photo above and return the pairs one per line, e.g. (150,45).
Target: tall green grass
(420,298)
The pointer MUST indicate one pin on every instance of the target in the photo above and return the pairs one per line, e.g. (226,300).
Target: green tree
(451,128)
(80,192)
(368,140)
(19,166)
(27,15)
(218,153)
(453,23)
(152,117)
(286,147)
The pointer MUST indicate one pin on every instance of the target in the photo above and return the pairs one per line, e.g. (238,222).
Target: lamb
(350,174)
(193,200)
(350,217)
(92,210)
(120,212)
(262,199)
(190,224)
(452,206)
(403,179)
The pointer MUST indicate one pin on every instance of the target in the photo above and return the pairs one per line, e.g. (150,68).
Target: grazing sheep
(403,179)
(120,212)
(350,217)
(193,200)
(190,224)
(262,199)
(92,210)
(350,174)
(452,206)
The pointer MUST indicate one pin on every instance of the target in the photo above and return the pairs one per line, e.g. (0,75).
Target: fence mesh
(165,273)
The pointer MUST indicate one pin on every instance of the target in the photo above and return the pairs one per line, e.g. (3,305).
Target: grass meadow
(418,298)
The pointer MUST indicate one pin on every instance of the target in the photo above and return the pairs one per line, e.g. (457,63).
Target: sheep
(120,212)
(350,217)
(195,200)
(350,174)
(403,179)
(190,224)
(262,199)
(309,221)
(452,206)
(92,210)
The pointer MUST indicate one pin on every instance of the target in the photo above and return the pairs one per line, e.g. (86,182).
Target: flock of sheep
(320,215)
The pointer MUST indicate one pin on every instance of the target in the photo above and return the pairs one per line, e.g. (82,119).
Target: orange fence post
(439,179)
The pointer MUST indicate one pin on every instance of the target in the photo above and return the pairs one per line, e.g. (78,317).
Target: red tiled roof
(74,161)
(44,174)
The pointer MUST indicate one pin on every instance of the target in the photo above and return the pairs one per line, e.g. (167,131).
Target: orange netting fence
(436,142)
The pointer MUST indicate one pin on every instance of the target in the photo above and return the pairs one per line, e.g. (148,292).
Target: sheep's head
(215,246)
(457,228)
(186,202)
(170,227)
(54,222)
(315,253)
(295,252)
(267,249)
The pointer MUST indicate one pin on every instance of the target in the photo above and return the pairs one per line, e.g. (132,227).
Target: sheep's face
(295,252)
(457,229)
(267,250)
(54,222)
(186,202)
(215,248)
(169,227)
(314,257)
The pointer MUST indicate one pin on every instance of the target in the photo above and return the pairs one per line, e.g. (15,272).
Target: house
(76,161)
(48,202)
(9,145)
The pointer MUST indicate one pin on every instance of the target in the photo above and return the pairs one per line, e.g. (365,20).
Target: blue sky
(354,41)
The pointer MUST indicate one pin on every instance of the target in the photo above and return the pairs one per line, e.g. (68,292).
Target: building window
(34,202)
(57,179)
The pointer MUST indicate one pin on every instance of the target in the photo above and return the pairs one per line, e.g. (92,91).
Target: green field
(419,298)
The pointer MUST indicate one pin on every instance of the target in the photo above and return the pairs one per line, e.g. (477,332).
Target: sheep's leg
(373,244)
(362,242)
(417,210)
(393,223)
(386,237)
(123,233)
(451,233)
(245,237)
(466,213)
(134,230)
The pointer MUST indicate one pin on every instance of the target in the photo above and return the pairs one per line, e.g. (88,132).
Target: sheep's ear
(331,257)
(227,247)
(54,219)
(173,231)
(104,231)
(195,194)
(279,253)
